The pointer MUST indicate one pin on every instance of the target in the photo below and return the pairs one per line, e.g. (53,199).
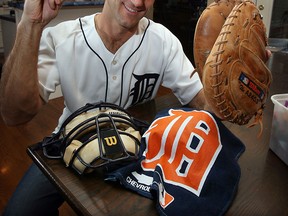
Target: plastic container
(279,129)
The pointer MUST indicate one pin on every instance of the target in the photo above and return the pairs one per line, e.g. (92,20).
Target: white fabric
(66,59)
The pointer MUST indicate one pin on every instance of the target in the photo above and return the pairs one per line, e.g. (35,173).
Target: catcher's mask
(96,135)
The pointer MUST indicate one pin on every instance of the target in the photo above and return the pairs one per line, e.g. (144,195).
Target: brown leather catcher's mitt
(235,77)
(208,28)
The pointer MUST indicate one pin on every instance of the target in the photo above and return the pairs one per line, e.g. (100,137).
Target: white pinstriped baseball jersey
(72,55)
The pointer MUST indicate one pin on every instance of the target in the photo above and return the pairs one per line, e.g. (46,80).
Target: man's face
(128,12)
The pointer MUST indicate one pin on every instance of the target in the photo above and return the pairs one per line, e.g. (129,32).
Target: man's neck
(113,38)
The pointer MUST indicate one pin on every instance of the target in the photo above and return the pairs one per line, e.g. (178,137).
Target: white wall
(266,7)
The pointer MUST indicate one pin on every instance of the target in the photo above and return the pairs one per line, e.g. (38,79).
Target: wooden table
(263,187)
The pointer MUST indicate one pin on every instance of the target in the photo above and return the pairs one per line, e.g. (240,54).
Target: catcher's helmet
(99,135)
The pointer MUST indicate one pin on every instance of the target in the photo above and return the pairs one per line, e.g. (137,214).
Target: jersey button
(114,77)
(114,62)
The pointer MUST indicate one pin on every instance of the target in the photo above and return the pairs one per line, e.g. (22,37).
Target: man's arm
(199,101)
(20,100)
(19,91)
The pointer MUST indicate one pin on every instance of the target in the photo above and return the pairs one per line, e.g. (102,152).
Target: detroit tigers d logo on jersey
(185,146)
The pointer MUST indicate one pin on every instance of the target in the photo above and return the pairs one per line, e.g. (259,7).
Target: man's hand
(40,11)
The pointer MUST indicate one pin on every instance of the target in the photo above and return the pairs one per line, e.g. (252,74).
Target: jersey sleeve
(48,74)
(178,71)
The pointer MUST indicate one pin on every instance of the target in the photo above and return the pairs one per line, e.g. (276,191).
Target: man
(117,56)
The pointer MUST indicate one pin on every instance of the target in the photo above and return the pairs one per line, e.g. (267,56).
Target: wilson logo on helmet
(113,146)
(110,141)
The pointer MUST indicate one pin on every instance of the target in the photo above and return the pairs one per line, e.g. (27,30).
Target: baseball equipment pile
(100,135)
(230,55)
